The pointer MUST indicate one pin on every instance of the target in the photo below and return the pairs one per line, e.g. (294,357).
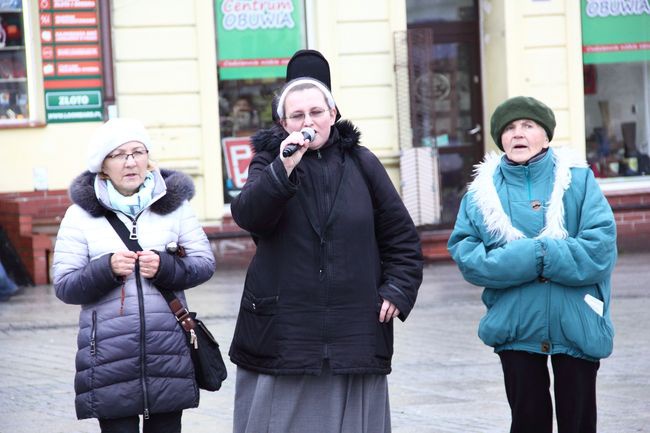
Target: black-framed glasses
(137,155)
(313,114)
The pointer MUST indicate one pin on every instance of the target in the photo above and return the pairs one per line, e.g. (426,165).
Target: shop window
(244,108)
(426,11)
(616,58)
(617,115)
(254,45)
(14,104)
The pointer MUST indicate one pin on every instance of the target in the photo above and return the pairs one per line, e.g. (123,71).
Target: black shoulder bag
(209,367)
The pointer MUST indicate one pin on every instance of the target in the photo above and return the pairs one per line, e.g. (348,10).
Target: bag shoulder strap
(123,232)
(175,305)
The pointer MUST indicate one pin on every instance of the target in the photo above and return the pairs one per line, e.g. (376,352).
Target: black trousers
(169,422)
(528,390)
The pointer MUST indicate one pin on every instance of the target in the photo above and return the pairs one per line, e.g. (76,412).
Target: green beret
(521,107)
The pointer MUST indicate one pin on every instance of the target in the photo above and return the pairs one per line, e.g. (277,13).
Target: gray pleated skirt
(355,403)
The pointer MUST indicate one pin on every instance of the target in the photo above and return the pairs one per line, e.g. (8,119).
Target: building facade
(420,79)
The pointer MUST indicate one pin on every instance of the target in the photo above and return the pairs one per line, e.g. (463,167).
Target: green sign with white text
(73,105)
(615,31)
(256,38)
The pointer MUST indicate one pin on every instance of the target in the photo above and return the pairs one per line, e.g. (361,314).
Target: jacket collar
(486,198)
(179,187)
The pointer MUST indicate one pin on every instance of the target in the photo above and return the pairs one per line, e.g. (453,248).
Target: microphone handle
(289,150)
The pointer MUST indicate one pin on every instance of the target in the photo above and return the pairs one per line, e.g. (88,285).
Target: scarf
(133,204)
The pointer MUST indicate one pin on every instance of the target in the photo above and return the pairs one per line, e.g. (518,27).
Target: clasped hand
(123,263)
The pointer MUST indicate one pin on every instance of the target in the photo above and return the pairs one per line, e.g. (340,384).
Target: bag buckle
(183,317)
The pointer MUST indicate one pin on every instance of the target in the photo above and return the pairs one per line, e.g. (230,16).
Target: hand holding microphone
(290,149)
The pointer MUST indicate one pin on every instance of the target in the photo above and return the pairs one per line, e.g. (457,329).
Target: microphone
(307,134)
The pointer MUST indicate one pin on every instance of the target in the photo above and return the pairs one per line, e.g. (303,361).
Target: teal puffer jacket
(541,239)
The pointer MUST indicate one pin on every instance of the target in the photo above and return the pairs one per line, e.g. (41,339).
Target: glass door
(446,104)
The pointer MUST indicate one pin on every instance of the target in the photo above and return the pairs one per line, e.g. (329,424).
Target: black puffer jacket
(323,261)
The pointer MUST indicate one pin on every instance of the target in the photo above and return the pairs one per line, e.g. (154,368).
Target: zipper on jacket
(323,279)
(93,334)
(134,229)
(530,193)
(134,226)
(321,271)
(143,351)
(133,233)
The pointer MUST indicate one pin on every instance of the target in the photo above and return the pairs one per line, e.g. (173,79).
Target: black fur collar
(179,188)
(269,139)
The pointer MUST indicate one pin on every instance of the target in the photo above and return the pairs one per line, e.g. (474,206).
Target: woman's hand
(292,161)
(149,263)
(123,263)
(388,311)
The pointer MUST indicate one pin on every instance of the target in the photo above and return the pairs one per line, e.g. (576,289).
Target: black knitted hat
(521,107)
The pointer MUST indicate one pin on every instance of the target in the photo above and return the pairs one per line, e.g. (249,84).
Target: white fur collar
(497,222)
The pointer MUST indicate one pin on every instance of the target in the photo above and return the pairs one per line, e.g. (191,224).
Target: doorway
(445,92)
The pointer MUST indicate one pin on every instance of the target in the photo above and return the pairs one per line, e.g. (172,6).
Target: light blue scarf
(133,204)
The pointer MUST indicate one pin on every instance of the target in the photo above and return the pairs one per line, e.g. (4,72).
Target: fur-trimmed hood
(269,140)
(179,188)
(486,197)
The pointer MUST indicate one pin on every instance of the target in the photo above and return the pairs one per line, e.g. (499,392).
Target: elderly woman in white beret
(132,356)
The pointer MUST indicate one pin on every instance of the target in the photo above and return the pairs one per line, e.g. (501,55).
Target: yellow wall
(356,36)
(533,48)
(165,75)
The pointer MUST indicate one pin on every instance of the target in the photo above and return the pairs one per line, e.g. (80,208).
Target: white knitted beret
(112,135)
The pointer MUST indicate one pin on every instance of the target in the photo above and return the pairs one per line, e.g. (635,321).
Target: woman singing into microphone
(338,258)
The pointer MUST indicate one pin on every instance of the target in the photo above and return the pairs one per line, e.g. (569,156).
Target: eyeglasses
(137,155)
(316,113)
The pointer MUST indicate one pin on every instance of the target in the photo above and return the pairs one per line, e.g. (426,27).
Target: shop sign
(256,38)
(75,19)
(73,106)
(237,154)
(72,64)
(78,68)
(615,31)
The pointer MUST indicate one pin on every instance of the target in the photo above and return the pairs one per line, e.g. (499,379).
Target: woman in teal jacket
(537,232)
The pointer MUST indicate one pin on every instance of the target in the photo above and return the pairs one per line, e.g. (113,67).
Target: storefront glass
(13,63)
(422,11)
(445,95)
(255,41)
(616,57)
(244,108)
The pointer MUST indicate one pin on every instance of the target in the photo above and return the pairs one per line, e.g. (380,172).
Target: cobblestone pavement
(444,378)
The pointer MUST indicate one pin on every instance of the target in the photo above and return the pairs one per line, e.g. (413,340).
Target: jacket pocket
(500,324)
(93,339)
(582,327)
(384,340)
(383,337)
(255,332)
